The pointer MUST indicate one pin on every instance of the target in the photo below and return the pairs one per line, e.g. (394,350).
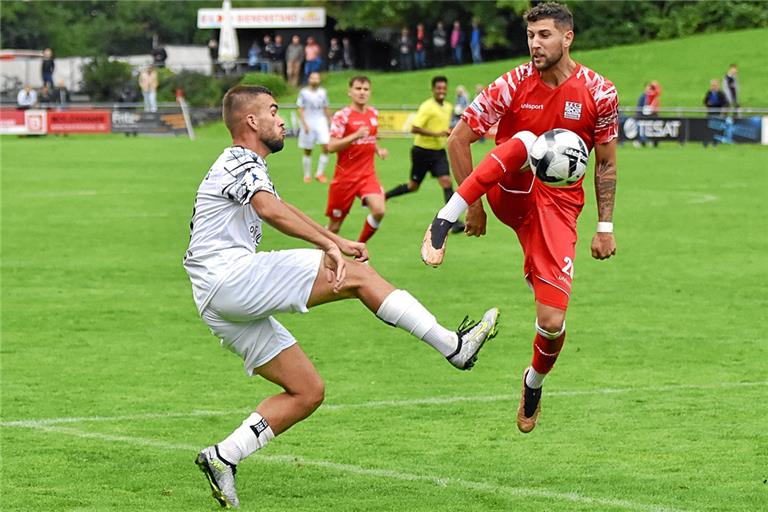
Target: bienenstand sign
(312,17)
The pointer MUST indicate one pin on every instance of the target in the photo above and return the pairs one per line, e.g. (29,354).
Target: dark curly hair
(550,11)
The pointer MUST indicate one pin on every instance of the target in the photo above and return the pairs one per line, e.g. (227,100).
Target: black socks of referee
(398,191)
(403,189)
(447,193)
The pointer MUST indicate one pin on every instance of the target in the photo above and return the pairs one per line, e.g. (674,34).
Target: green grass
(683,66)
(98,320)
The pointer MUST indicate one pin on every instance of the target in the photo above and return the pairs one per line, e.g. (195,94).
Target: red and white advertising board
(14,121)
(80,121)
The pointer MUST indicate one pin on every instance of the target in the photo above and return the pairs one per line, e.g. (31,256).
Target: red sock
(545,352)
(368,230)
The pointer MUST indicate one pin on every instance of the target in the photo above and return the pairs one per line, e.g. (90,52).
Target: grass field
(110,382)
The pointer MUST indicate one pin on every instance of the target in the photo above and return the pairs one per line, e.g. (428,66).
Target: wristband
(605,227)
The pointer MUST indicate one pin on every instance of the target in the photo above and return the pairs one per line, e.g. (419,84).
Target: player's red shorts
(544,220)
(342,193)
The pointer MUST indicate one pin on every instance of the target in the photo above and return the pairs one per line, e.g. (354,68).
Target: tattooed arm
(603,244)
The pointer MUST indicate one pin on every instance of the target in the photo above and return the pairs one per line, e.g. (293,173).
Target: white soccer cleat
(429,254)
(472,336)
(220,475)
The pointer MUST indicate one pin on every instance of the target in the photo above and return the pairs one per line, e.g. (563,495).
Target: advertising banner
(79,121)
(14,121)
(726,130)
(264,18)
(133,121)
(652,128)
(395,121)
(714,129)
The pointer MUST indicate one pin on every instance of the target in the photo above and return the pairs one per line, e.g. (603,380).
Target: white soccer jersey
(314,103)
(225,228)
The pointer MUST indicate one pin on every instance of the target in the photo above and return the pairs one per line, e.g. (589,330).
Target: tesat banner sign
(264,18)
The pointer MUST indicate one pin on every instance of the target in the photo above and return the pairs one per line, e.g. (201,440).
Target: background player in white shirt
(237,289)
(315,119)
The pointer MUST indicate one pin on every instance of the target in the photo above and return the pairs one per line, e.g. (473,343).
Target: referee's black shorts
(433,160)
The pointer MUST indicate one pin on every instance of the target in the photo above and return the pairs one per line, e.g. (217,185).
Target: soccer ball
(559,157)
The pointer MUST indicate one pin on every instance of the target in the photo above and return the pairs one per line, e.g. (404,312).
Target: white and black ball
(559,157)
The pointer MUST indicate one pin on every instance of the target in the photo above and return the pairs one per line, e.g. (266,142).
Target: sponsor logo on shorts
(336,213)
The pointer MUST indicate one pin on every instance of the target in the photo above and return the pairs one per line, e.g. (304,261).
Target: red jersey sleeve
(490,105)
(339,123)
(607,102)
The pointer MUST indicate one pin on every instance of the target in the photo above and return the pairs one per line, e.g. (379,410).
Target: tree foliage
(120,27)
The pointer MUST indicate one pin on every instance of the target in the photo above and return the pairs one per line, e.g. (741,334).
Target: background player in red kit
(551,91)
(353,137)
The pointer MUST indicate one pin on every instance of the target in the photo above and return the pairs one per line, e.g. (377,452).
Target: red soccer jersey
(356,161)
(586,103)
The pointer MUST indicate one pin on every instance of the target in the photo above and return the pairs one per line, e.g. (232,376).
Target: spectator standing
(148,84)
(648,106)
(348,54)
(159,55)
(439,45)
(313,60)
(716,102)
(335,55)
(267,54)
(457,43)
(731,86)
(254,58)
(715,99)
(213,51)
(421,47)
(294,54)
(278,60)
(476,42)
(27,98)
(461,104)
(62,94)
(405,50)
(47,67)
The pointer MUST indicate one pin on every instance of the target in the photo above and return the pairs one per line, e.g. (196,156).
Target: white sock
(533,379)
(402,310)
(307,161)
(254,433)
(321,163)
(453,208)
(374,224)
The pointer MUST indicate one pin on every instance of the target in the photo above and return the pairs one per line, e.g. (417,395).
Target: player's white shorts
(271,282)
(318,134)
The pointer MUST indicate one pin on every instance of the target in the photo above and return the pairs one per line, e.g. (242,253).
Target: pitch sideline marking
(382,403)
(479,486)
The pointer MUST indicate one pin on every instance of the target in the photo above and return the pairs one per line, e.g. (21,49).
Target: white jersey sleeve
(241,180)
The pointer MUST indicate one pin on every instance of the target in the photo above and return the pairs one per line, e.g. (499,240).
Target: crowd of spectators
(416,49)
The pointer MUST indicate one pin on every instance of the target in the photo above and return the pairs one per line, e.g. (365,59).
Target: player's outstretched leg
(546,347)
(400,309)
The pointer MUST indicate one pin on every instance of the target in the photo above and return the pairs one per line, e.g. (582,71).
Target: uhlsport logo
(532,106)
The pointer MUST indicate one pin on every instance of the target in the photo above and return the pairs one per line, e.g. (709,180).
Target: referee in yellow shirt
(432,127)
